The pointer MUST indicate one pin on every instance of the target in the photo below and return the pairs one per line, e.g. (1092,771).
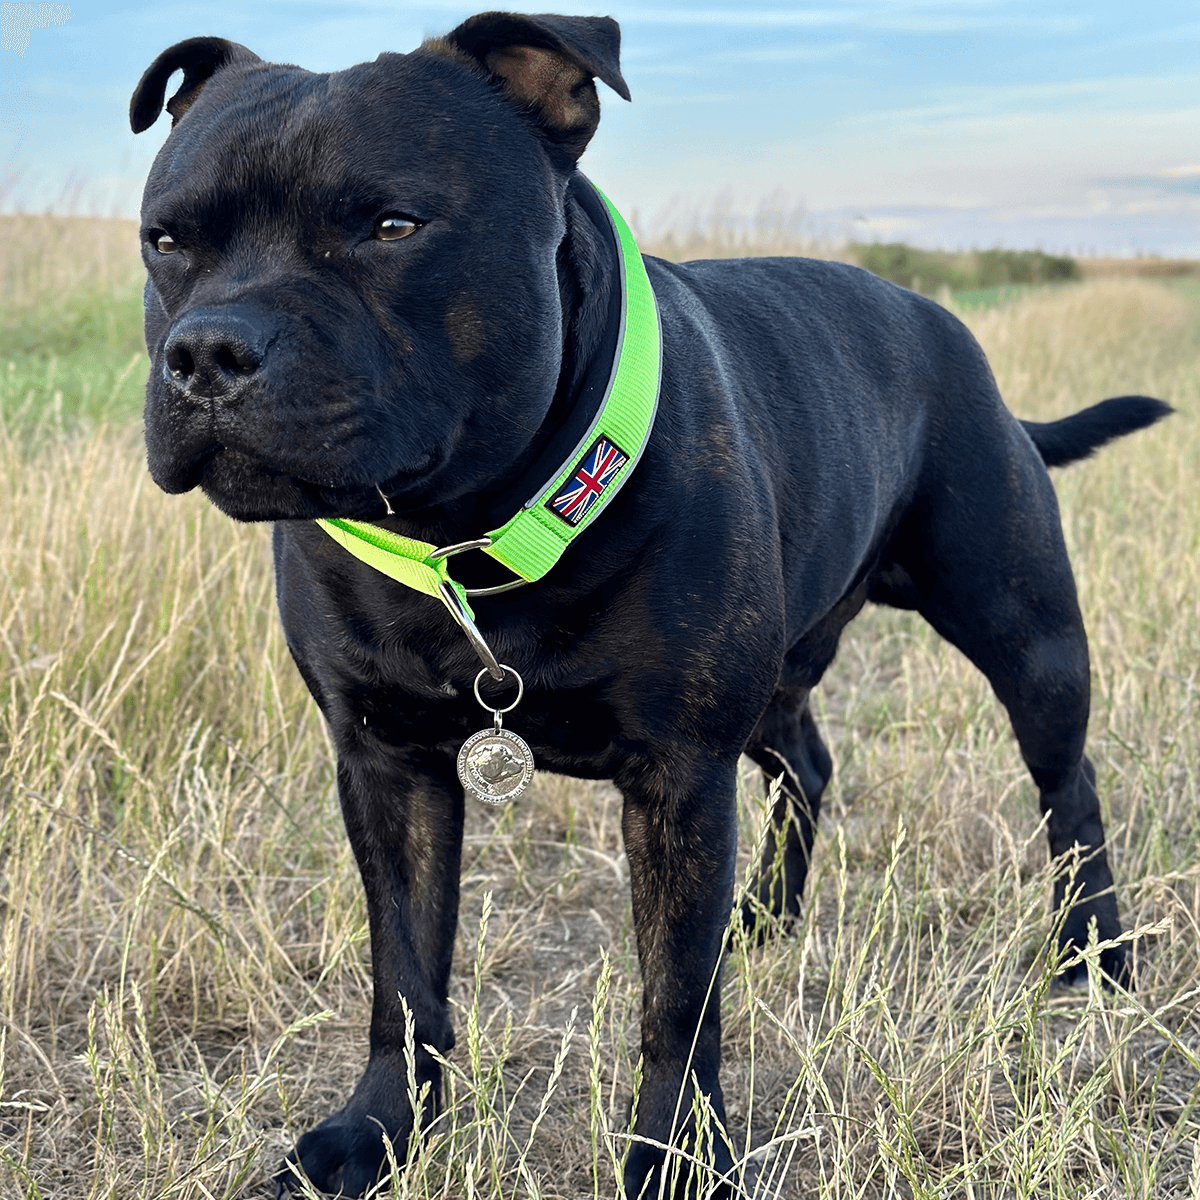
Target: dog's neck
(589,287)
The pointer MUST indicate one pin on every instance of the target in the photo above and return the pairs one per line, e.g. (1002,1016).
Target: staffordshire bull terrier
(386,298)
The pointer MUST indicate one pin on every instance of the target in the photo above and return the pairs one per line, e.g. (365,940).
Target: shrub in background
(929,271)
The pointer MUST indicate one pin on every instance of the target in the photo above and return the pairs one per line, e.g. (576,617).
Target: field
(183,984)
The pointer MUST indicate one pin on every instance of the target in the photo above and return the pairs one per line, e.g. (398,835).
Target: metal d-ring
(477,544)
(499,712)
(478,644)
(461,548)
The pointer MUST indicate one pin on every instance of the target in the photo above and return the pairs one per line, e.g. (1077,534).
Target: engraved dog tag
(495,765)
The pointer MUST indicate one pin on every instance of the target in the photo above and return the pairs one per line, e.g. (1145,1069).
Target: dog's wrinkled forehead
(417,126)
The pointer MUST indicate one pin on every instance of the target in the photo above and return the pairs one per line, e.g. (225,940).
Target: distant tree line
(929,271)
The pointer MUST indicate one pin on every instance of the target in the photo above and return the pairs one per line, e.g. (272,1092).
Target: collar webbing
(533,540)
(406,560)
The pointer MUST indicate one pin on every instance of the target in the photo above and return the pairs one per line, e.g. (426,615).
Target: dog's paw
(1116,969)
(760,924)
(343,1156)
(701,1172)
(1116,962)
(348,1151)
(685,1181)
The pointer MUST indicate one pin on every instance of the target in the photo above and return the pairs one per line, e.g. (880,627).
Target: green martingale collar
(534,538)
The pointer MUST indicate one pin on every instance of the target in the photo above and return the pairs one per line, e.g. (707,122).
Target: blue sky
(1062,124)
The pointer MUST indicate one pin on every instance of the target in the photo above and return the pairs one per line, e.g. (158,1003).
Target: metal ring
(491,707)
(495,591)
(461,548)
(478,544)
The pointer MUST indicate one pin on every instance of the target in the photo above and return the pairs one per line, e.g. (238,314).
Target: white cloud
(941,18)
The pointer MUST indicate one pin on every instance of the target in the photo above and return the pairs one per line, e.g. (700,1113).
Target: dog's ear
(199,59)
(548,63)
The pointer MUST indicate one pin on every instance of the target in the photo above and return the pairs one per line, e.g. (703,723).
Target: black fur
(823,439)
(1080,435)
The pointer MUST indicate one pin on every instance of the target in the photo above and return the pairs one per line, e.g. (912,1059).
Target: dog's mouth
(247,489)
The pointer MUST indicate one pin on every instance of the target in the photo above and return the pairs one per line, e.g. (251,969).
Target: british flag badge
(583,489)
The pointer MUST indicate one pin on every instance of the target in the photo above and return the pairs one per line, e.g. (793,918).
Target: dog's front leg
(403,809)
(680,834)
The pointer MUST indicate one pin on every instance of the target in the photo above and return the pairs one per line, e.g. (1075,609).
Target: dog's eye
(164,243)
(393,226)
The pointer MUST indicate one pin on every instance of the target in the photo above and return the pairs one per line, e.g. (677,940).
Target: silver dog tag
(495,765)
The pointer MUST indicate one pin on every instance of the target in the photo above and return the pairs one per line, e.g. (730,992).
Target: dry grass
(714,230)
(1139,267)
(45,256)
(184,986)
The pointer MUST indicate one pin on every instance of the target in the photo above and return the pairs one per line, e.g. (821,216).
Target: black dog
(387,294)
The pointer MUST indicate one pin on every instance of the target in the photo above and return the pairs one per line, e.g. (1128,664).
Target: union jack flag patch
(575,499)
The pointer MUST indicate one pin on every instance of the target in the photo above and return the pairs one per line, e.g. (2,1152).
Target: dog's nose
(213,353)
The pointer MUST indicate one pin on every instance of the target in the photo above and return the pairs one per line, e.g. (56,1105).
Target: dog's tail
(1077,436)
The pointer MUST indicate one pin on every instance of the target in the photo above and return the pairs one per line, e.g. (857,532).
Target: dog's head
(352,281)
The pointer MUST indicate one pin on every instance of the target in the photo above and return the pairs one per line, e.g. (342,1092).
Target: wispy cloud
(657,63)
(1139,228)
(783,54)
(1018,102)
(1162,35)
(1171,183)
(915,18)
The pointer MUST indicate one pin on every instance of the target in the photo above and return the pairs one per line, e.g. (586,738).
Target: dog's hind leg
(982,558)
(787,746)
